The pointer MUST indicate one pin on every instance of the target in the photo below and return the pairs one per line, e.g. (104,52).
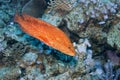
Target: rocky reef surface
(92,25)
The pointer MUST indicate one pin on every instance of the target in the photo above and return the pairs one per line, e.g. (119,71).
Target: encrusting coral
(81,11)
(113,37)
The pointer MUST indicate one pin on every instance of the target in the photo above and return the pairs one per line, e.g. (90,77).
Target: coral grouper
(47,33)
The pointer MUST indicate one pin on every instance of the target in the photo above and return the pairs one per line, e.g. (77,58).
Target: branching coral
(60,5)
(106,71)
(97,11)
(110,74)
(12,53)
(82,12)
(113,39)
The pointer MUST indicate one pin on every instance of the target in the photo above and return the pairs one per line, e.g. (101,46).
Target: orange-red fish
(45,32)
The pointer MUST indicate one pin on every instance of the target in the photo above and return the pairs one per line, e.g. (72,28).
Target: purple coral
(98,9)
(109,73)
(112,55)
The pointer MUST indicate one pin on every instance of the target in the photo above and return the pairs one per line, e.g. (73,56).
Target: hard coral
(98,11)
(12,53)
(82,11)
(113,37)
(112,55)
(109,73)
(60,5)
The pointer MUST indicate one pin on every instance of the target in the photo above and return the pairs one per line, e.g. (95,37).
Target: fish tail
(17,18)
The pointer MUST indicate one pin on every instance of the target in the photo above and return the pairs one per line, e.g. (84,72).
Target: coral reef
(81,12)
(113,57)
(56,69)
(113,37)
(84,18)
(108,73)
(8,73)
(60,5)
(95,25)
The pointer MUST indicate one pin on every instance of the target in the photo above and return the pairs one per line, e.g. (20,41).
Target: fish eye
(69,47)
